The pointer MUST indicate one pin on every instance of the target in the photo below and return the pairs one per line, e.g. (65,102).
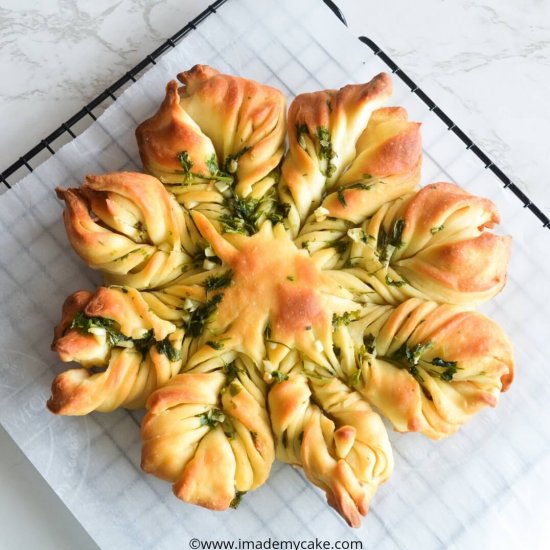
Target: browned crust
(437,201)
(161,137)
(399,154)
(316,109)
(471,265)
(71,306)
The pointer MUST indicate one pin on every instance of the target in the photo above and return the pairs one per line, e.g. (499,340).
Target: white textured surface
(85,53)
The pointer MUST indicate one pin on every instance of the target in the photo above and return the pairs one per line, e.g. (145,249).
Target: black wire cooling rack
(83,118)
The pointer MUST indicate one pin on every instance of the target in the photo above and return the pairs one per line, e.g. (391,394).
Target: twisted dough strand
(127,226)
(114,331)
(331,431)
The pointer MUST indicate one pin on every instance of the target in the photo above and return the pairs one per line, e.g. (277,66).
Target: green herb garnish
(412,357)
(165,347)
(211,418)
(144,343)
(437,229)
(280,212)
(237,499)
(84,323)
(325,150)
(243,215)
(199,317)
(212,165)
(398,284)
(342,320)
(449,366)
(187,165)
(217,344)
(397,232)
(216,282)
(279,376)
(231,371)
(369,341)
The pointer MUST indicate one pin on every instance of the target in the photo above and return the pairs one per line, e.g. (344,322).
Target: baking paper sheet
(486,487)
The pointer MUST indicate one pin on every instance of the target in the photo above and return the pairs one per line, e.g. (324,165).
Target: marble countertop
(486,63)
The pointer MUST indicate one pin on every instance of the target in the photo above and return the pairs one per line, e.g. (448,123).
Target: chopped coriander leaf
(369,341)
(437,229)
(211,418)
(291,278)
(144,343)
(342,245)
(342,320)
(165,347)
(412,357)
(413,370)
(448,374)
(382,245)
(237,499)
(325,150)
(217,344)
(216,282)
(397,233)
(229,433)
(438,362)
(280,212)
(398,284)
(279,376)
(243,215)
(212,165)
(186,164)
(199,317)
(449,366)
(84,323)
(231,371)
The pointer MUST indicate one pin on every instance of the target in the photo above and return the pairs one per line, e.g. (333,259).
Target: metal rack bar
(453,127)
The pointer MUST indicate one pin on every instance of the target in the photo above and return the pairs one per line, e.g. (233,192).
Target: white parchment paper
(486,487)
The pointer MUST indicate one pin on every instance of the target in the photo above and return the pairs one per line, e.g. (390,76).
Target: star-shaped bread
(268,302)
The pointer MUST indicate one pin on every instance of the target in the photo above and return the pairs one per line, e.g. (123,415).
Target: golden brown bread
(341,443)
(431,244)
(270,319)
(114,331)
(387,165)
(341,139)
(215,128)
(209,433)
(126,225)
(428,367)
